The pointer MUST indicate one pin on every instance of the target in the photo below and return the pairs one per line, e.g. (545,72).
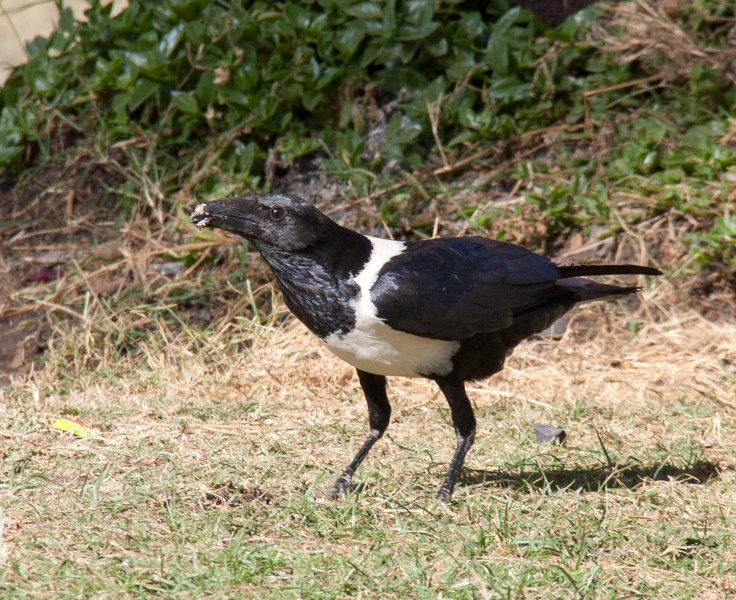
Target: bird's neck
(317,281)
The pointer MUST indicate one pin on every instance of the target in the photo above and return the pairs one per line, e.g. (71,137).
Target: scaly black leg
(379,414)
(463,419)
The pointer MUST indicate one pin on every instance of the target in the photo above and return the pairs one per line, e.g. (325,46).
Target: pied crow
(448,309)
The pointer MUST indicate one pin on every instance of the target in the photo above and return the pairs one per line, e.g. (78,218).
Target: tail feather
(592,270)
(585,290)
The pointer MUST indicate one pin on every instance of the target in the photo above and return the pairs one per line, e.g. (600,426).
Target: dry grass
(649,32)
(217,438)
(210,466)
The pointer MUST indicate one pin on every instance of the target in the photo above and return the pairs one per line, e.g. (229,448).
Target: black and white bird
(448,309)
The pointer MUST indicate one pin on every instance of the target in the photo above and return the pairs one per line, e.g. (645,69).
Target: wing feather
(453,288)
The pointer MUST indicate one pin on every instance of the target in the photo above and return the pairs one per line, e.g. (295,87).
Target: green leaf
(328,76)
(401,130)
(235,98)
(372,52)
(437,48)
(171,39)
(245,156)
(206,91)
(348,39)
(247,75)
(346,114)
(650,162)
(184,10)
(498,54)
(700,136)
(144,89)
(509,87)
(10,90)
(311,99)
(137,59)
(409,33)
(473,24)
(726,226)
(505,22)
(395,79)
(393,127)
(185,103)
(297,16)
(364,10)
(389,19)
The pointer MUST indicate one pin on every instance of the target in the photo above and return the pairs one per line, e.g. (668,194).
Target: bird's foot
(340,489)
(444,495)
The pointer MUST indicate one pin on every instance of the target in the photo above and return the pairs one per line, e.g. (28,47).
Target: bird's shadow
(592,479)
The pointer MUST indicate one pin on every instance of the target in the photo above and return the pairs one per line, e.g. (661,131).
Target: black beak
(235,215)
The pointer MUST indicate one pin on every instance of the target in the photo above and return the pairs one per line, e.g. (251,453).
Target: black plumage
(448,309)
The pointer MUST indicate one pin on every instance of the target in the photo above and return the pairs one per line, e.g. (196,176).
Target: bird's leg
(379,414)
(463,420)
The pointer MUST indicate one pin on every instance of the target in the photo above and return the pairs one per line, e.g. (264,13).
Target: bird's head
(279,221)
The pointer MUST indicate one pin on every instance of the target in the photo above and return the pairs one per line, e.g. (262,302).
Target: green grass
(218,436)
(207,476)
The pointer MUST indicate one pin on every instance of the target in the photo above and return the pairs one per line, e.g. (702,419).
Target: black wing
(453,288)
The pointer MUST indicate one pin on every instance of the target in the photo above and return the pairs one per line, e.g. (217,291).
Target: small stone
(203,314)
(168,269)
(50,257)
(547,434)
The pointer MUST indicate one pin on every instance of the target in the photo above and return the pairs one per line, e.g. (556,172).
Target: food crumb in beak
(197,217)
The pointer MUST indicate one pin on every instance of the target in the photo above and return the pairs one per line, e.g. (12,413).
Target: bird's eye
(277,213)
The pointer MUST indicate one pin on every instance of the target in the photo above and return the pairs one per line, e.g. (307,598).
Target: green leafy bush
(289,76)
(213,96)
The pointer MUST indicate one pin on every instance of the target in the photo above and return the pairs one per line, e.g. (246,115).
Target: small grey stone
(203,314)
(550,434)
(51,257)
(168,269)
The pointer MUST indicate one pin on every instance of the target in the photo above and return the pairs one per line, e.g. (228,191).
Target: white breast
(376,348)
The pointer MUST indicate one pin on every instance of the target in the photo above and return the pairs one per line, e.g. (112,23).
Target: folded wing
(453,288)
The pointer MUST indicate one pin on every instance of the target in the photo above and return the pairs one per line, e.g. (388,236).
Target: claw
(340,489)
(443,495)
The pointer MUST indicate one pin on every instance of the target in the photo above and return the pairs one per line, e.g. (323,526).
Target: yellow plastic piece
(75,428)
